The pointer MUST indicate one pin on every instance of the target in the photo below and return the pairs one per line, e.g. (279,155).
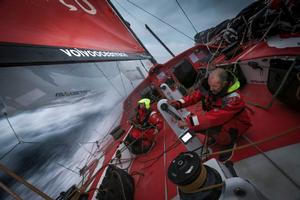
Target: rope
(213,56)
(251,19)
(102,140)
(160,20)
(269,105)
(187,16)
(271,26)
(289,131)
(105,165)
(98,148)
(273,137)
(251,144)
(211,187)
(200,180)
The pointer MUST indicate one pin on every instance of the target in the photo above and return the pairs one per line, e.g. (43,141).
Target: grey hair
(220,73)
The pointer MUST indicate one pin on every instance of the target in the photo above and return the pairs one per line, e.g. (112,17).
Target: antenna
(161,42)
(160,20)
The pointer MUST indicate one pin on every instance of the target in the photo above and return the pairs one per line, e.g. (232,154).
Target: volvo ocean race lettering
(91,53)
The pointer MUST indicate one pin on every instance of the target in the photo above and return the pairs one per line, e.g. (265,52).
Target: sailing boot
(223,157)
(211,141)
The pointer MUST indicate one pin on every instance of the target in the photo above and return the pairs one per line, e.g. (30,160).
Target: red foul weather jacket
(226,111)
(150,122)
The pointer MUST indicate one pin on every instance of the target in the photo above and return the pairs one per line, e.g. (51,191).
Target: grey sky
(203,13)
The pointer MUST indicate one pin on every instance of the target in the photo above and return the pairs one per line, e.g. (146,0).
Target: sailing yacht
(260,46)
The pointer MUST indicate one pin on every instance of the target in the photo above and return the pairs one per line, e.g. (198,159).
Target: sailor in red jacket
(224,118)
(146,125)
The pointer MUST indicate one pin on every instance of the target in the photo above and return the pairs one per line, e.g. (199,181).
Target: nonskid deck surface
(269,179)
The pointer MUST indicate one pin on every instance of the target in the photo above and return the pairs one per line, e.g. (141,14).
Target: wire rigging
(123,84)
(108,80)
(164,22)
(141,24)
(13,130)
(67,168)
(186,16)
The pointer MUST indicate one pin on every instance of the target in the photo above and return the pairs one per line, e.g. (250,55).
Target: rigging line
(132,84)
(8,190)
(175,144)
(158,157)
(272,162)
(213,56)
(71,170)
(8,152)
(91,142)
(53,143)
(270,27)
(251,19)
(108,80)
(160,20)
(125,91)
(85,148)
(187,16)
(105,165)
(274,96)
(165,163)
(144,66)
(122,186)
(91,156)
(135,18)
(24,182)
(271,138)
(16,135)
(109,130)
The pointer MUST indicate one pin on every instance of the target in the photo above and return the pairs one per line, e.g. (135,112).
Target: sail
(64,31)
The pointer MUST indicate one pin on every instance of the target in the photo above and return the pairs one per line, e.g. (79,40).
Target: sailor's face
(215,85)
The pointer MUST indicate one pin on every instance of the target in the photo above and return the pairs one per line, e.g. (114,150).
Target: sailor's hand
(176,104)
(182,124)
